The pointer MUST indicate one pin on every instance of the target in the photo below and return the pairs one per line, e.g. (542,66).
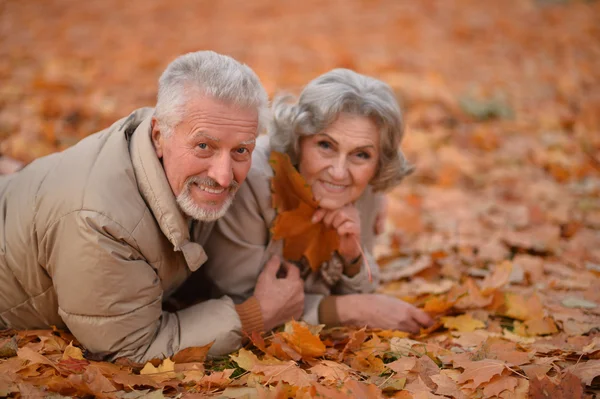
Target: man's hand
(346,221)
(280,299)
(381,311)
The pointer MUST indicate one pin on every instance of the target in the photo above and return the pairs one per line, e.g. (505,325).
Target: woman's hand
(346,221)
(381,311)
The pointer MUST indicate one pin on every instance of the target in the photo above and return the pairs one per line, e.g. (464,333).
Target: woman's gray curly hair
(321,102)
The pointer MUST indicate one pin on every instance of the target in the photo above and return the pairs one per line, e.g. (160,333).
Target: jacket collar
(156,191)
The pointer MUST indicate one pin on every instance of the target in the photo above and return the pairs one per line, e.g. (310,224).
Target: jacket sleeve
(238,246)
(110,297)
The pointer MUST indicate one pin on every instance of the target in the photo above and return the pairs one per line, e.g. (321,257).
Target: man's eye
(324,144)
(241,150)
(203,146)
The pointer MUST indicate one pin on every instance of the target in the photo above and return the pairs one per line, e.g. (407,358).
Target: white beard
(192,209)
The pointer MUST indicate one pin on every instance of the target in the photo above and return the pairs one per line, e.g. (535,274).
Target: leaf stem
(364,258)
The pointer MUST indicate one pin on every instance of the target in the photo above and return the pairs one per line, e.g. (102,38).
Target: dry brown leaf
(293,200)
(569,387)
(481,371)
(192,354)
(587,370)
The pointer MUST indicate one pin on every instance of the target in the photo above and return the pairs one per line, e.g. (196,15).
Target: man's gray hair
(208,73)
(321,102)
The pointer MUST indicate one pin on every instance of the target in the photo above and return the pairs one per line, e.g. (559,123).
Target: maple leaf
(306,343)
(166,366)
(192,354)
(498,384)
(497,279)
(462,323)
(480,371)
(403,365)
(447,386)
(288,372)
(295,206)
(332,372)
(523,308)
(72,352)
(586,370)
(569,387)
(92,382)
(131,380)
(33,357)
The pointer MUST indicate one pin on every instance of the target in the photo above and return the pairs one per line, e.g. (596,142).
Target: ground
(495,234)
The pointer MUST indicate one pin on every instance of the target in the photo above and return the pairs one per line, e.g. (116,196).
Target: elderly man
(97,237)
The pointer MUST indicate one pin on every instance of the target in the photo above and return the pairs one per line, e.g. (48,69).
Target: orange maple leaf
(293,200)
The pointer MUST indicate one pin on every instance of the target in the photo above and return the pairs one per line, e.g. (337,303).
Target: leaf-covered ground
(497,234)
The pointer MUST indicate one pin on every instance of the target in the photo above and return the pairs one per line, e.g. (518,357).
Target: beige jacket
(92,239)
(241,243)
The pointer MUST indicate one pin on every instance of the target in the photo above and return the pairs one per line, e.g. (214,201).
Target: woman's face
(340,161)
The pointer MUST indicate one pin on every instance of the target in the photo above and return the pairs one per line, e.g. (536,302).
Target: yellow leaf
(166,366)
(462,323)
(72,352)
(523,308)
(498,278)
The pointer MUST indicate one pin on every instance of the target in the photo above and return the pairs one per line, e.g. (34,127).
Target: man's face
(207,155)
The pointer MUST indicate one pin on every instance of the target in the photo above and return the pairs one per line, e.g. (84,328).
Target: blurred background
(502,97)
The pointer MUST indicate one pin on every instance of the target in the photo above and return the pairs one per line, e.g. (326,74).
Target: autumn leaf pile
(496,234)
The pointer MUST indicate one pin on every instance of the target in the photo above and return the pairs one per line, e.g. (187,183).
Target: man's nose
(221,169)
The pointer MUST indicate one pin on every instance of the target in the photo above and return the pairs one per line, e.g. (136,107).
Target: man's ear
(157,137)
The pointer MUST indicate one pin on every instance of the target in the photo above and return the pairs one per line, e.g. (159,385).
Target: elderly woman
(341,139)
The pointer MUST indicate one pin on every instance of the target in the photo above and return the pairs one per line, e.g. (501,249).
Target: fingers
(422,318)
(319,215)
(292,271)
(272,266)
(348,227)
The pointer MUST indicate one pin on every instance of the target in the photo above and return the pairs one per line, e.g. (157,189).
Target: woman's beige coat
(241,243)
(92,239)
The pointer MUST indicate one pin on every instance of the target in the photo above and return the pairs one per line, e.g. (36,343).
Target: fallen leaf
(498,278)
(569,387)
(481,371)
(574,302)
(192,354)
(462,323)
(499,384)
(331,372)
(587,370)
(523,308)
(166,366)
(72,352)
(304,341)
(287,372)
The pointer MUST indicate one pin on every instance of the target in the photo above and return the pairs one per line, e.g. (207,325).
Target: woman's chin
(331,204)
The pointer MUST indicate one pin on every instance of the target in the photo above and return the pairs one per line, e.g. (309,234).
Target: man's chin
(203,212)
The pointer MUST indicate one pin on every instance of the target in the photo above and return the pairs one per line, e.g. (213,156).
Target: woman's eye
(203,146)
(364,155)
(324,144)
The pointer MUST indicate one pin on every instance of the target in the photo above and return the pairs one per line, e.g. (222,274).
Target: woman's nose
(338,169)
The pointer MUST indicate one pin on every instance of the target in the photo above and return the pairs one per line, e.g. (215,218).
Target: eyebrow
(336,143)
(208,136)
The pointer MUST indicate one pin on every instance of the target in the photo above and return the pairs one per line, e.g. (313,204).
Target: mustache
(208,182)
